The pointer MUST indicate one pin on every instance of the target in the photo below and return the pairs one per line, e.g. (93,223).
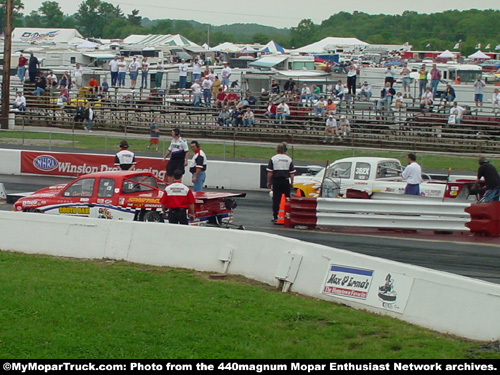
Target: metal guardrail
(417,214)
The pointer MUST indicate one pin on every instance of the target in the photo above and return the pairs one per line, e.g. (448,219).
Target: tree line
(436,31)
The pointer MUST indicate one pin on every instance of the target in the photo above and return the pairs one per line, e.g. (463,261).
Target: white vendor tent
(445,55)
(478,55)
(330,44)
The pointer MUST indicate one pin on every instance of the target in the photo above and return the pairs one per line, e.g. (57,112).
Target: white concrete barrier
(436,300)
(11,161)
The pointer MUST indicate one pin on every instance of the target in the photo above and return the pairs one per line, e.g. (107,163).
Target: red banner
(64,164)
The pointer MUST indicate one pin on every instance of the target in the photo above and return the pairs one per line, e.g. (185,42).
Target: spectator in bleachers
(160,69)
(40,85)
(319,107)
(274,88)
(236,117)
(235,85)
(330,128)
(399,102)
(51,79)
(62,100)
(21,67)
(232,98)
(331,108)
(339,90)
(315,93)
(248,117)
(427,99)
(64,92)
(495,99)
(206,85)
(104,88)
(251,99)
(365,91)
(144,73)
(197,64)
(344,127)
(305,93)
(79,112)
(65,81)
(19,102)
(183,70)
(133,69)
(216,86)
(221,99)
(33,66)
(113,68)
(271,110)
(289,87)
(122,71)
(226,75)
(386,95)
(78,74)
(93,86)
(223,118)
(89,116)
(282,111)
(389,75)
(458,112)
(197,93)
(243,104)
(449,94)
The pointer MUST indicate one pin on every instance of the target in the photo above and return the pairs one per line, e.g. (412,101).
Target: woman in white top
(427,98)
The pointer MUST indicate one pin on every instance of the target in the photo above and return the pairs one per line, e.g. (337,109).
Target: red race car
(123,195)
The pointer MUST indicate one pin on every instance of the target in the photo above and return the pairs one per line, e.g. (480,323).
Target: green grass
(229,150)
(60,308)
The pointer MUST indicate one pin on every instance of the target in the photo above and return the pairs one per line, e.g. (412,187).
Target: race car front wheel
(153,216)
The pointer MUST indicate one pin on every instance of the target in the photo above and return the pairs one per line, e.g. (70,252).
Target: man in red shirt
(232,98)
(21,67)
(178,198)
(220,101)
(93,85)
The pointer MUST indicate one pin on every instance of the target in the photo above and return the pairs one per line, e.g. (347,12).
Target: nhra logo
(45,163)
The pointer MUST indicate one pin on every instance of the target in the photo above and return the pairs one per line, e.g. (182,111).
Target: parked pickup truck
(363,176)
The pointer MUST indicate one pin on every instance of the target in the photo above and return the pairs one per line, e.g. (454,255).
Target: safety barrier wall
(220,174)
(392,214)
(428,298)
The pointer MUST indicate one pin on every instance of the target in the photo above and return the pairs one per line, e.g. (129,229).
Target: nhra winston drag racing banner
(66,164)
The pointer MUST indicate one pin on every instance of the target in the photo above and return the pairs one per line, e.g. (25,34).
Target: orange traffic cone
(281,212)
(298,193)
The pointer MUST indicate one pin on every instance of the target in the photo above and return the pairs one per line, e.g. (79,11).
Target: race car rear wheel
(153,216)
(34,210)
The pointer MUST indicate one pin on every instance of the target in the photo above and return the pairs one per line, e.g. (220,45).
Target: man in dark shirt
(491,180)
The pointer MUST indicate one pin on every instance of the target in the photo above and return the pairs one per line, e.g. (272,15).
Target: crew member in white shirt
(412,174)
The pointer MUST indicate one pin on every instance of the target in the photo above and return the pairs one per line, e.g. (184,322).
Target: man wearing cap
(183,69)
(344,127)
(330,128)
(491,180)
(125,159)
(178,198)
(177,155)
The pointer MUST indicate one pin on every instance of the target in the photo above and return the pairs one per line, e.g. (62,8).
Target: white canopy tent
(330,44)
(446,55)
(479,55)
(226,47)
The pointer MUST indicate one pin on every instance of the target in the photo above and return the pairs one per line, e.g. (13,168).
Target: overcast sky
(278,13)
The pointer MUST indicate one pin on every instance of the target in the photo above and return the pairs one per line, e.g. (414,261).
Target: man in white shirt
(412,174)
(366,91)
(196,90)
(351,78)
(282,111)
(133,69)
(183,69)
(78,73)
(226,74)
(122,71)
(197,69)
(479,91)
(495,100)
(206,85)
(456,111)
(113,68)
(19,102)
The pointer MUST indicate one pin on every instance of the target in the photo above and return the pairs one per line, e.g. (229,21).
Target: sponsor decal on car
(74,210)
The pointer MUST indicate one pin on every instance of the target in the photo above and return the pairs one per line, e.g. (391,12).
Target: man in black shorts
(177,155)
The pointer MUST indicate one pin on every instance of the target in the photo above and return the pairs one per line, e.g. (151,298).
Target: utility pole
(208,35)
(4,118)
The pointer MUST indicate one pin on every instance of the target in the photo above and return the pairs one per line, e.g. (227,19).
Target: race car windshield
(136,184)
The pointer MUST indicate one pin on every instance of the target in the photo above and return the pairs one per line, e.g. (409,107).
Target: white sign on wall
(377,288)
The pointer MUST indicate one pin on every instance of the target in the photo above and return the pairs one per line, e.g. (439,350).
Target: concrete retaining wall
(436,300)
